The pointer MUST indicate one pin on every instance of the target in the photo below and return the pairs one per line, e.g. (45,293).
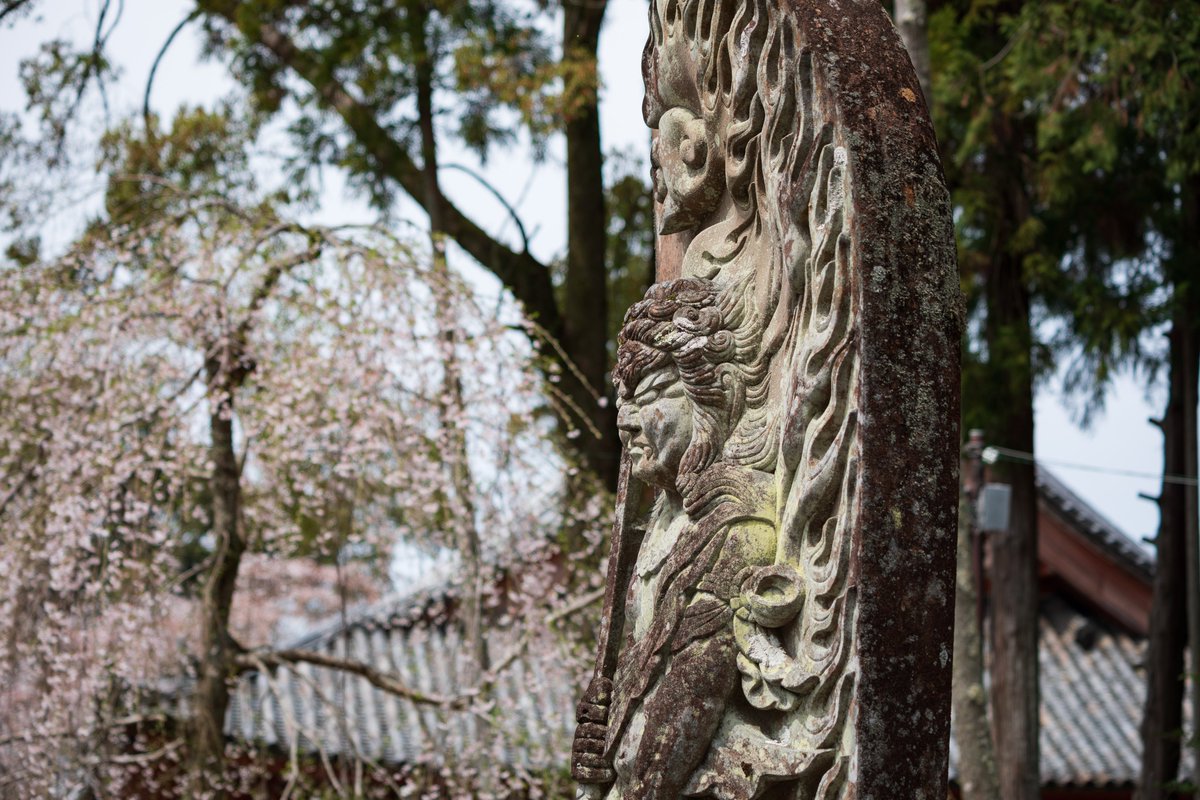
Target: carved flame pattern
(733,90)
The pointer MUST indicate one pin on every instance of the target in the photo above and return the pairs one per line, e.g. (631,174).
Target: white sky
(1120,438)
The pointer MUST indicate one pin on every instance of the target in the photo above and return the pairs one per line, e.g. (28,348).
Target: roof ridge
(411,603)
(1093,524)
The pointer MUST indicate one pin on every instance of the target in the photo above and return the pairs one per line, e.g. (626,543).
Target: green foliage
(629,202)
(23,251)
(201,152)
(56,82)
(1070,130)
(1116,93)
(492,65)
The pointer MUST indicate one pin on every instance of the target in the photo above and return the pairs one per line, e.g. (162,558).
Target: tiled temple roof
(1092,690)
(344,715)
(1091,680)
(1092,686)
(1055,494)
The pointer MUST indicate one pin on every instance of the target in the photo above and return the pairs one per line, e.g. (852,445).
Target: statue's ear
(692,170)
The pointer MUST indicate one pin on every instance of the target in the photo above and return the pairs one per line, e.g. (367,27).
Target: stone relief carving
(735,665)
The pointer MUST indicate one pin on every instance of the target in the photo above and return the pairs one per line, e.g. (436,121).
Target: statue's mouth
(638,448)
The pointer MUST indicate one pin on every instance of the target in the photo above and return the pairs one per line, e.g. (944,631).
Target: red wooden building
(1095,607)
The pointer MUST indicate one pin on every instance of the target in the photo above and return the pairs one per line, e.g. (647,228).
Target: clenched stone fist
(588,764)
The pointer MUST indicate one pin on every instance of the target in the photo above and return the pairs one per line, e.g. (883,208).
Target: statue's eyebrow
(655,380)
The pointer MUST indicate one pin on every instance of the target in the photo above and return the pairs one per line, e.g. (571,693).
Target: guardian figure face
(655,425)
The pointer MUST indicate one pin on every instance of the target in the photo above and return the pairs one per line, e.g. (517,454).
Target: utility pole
(977,776)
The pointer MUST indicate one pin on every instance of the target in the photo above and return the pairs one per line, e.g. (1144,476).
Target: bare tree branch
(92,67)
(525,276)
(138,758)
(512,212)
(377,678)
(154,69)
(260,661)
(13,6)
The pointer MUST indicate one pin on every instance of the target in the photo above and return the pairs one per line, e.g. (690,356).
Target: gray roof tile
(1092,685)
(1091,691)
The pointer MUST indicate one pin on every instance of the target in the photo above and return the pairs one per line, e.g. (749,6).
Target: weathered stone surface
(780,622)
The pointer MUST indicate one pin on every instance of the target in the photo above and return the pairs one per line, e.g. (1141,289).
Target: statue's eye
(665,384)
(654,387)
(646,397)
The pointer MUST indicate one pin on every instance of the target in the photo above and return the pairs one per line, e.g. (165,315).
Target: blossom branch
(120,722)
(377,678)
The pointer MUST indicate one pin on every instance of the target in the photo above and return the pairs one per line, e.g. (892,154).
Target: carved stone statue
(778,620)
(683,372)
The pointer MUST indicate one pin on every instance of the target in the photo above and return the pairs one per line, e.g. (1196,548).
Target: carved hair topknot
(691,325)
(676,324)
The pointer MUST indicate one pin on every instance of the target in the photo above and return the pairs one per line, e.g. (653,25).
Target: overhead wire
(992,454)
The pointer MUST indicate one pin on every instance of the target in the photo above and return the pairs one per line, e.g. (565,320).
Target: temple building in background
(1095,607)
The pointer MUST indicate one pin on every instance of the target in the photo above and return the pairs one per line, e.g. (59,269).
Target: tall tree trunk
(1014,596)
(1188,323)
(211,697)
(1162,718)
(585,308)
(451,408)
(1172,621)
(1014,604)
(912,23)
